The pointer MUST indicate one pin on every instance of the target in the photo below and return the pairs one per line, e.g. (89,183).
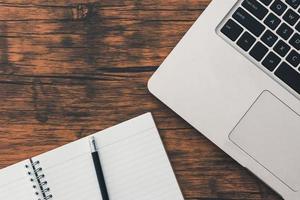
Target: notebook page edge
(129,127)
(168,160)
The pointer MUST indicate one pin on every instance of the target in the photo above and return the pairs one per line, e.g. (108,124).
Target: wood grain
(70,68)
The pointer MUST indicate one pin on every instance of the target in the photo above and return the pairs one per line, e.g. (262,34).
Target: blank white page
(15,183)
(134,161)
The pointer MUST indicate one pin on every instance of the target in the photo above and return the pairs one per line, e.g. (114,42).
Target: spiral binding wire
(37,177)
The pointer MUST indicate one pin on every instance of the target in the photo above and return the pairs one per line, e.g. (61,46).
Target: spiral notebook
(134,161)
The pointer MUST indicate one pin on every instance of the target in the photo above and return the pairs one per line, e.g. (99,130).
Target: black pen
(98,168)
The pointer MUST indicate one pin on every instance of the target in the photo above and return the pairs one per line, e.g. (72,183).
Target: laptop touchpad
(270,134)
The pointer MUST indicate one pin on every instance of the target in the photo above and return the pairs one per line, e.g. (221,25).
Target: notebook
(134,162)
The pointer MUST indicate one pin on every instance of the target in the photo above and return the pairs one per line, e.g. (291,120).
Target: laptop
(235,77)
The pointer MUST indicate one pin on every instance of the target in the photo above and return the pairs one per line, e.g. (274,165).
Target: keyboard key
(282,48)
(272,21)
(246,20)
(269,38)
(298,27)
(278,7)
(246,41)
(254,7)
(288,75)
(266,2)
(295,41)
(293,3)
(232,30)
(291,17)
(258,51)
(271,61)
(293,58)
(284,31)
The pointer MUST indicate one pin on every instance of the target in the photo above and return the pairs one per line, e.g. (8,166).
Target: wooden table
(70,68)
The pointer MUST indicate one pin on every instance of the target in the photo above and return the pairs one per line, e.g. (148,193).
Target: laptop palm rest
(270,133)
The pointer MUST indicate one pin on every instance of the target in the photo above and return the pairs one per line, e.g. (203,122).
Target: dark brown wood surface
(70,68)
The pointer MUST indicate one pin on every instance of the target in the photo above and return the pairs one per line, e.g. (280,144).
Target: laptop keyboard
(268,32)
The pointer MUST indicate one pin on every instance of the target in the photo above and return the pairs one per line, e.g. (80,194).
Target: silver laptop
(235,77)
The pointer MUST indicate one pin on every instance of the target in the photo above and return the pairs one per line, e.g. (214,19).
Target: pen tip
(93,144)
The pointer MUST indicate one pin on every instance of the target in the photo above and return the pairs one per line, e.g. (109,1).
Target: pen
(98,168)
